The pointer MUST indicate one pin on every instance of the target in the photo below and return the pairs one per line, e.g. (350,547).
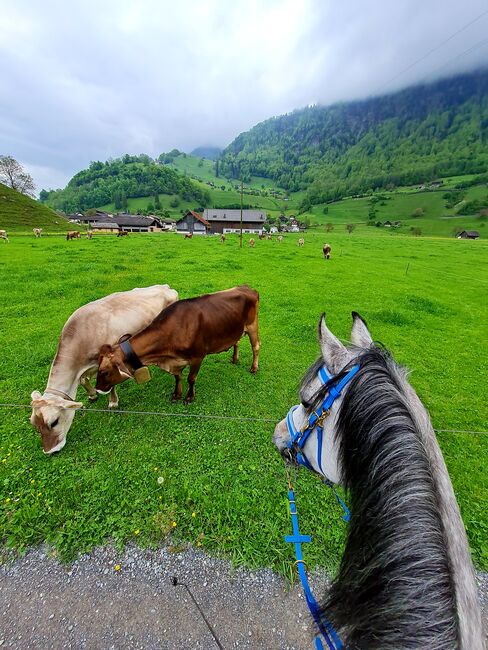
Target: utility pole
(241,216)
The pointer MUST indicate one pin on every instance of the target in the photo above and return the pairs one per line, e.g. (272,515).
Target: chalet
(123,221)
(192,222)
(468,234)
(228,221)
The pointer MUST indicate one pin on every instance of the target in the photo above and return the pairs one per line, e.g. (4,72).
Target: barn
(228,221)
(192,222)
(468,234)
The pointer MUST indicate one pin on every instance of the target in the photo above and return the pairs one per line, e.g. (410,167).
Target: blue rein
(297,441)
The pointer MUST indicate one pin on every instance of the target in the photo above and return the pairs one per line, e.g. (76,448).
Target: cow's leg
(192,376)
(113,401)
(235,355)
(252,331)
(178,388)
(85,382)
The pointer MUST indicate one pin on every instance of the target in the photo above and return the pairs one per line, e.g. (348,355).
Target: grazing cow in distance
(3,235)
(122,233)
(326,251)
(73,234)
(280,238)
(188,235)
(109,319)
(37,231)
(262,235)
(301,241)
(251,242)
(222,238)
(182,335)
(89,234)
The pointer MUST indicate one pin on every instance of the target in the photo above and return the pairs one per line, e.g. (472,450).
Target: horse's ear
(360,335)
(333,352)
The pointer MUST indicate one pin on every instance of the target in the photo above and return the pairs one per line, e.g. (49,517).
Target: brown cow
(182,335)
(280,238)
(301,241)
(262,235)
(326,251)
(122,233)
(251,242)
(188,235)
(222,238)
(89,234)
(73,234)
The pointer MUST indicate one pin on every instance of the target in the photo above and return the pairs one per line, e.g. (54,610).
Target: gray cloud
(88,80)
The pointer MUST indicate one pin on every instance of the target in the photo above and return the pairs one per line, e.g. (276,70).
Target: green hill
(21,213)
(117,180)
(408,137)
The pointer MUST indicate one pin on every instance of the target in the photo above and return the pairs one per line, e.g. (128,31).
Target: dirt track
(91,605)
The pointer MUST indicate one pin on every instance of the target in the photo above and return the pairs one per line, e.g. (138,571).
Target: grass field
(19,213)
(214,483)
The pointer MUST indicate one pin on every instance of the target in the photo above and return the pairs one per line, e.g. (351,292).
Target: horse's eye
(53,424)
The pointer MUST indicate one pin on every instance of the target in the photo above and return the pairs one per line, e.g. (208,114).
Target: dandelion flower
(174,524)
(7,500)
(33,480)
(117,567)
(193,514)
(136,532)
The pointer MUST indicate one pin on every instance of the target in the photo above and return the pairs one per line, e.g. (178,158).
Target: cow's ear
(106,350)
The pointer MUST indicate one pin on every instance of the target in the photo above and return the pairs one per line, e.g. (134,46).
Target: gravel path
(89,604)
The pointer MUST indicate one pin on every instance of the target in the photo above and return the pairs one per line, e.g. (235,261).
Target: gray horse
(406,579)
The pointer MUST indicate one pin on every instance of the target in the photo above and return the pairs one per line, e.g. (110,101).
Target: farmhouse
(192,222)
(104,226)
(468,234)
(122,221)
(227,221)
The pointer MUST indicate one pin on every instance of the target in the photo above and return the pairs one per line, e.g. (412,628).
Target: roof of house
(105,224)
(137,221)
(255,216)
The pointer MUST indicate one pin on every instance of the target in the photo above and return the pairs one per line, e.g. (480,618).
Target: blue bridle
(298,438)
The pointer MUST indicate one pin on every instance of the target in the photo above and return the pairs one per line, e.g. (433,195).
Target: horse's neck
(467,604)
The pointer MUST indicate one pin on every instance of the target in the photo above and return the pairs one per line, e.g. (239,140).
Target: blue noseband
(298,437)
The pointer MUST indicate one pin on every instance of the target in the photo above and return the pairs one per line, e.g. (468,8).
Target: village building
(104,226)
(192,222)
(229,221)
(468,234)
(122,221)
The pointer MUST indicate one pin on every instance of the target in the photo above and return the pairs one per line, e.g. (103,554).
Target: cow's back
(209,323)
(107,319)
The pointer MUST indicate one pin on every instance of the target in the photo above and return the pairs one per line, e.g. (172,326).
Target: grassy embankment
(221,484)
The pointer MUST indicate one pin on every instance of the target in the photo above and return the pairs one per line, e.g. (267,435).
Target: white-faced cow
(280,238)
(37,232)
(182,335)
(4,236)
(251,242)
(222,238)
(76,360)
(89,234)
(326,250)
(301,241)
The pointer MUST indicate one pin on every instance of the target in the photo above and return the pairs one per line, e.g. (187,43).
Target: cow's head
(111,368)
(52,416)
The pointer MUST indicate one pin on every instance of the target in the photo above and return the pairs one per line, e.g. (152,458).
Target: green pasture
(219,484)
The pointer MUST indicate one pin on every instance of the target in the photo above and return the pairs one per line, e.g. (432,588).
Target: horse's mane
(394,586)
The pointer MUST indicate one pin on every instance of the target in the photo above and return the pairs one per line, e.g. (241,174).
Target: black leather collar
(130,356)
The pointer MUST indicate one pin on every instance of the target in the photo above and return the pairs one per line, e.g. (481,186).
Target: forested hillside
(409,137)
(117,180)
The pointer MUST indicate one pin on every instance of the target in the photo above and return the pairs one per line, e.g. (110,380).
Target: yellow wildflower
(193,514)
(136,532)
(174,524)
(117,567)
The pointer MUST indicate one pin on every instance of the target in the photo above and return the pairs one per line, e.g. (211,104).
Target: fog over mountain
(88,80)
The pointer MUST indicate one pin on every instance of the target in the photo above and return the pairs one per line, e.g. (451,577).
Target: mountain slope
(120,179)
(19,212)
(408,137)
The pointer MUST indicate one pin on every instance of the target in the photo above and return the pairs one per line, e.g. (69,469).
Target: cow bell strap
(130,356)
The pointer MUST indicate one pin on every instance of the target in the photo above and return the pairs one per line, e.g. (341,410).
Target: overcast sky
(86,80)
